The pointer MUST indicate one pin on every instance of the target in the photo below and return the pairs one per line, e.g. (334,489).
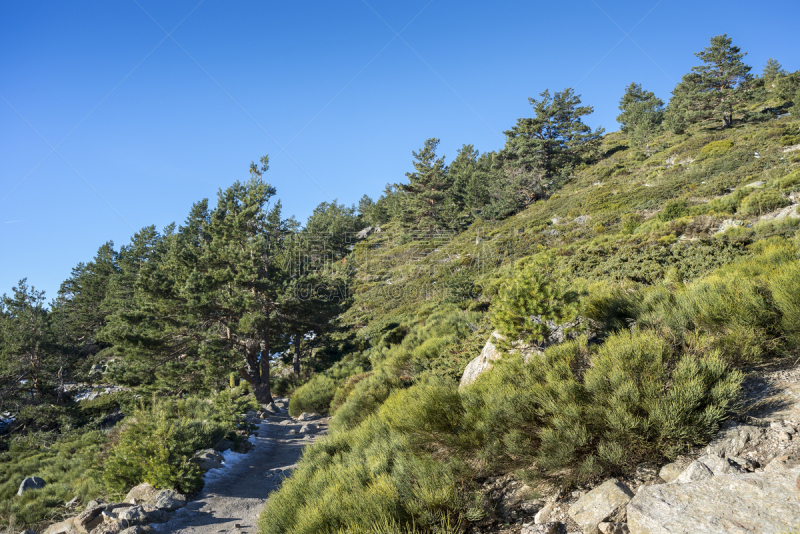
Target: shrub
(366,397)
(156,444)
(314,396)
(577,416)
(535,294)
(672,210)
(791,181)
(360,479)
(785,286)
(716,148)
(630,222)
(761,202)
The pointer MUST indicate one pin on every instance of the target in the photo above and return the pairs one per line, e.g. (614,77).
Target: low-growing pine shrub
(314,396)
(716,148)
(672,210)
(761,202)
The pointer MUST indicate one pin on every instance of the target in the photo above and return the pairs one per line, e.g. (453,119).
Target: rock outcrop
(31,483)
(734,503)
(605,503)
(483,361)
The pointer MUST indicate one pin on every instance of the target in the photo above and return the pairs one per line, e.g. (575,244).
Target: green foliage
(717,148)
(578,416)
(672,210)
(156,444)
(791,181)
(366,397)
(642,114)
(354,480)
(534,295)
(761,202)
(70,466)
(314,396)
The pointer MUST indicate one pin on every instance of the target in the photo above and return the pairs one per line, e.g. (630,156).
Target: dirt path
(233,497)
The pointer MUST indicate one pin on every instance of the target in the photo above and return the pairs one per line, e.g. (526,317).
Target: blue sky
(144,123)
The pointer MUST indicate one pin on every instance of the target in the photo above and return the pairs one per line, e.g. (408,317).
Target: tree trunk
(298,339)
(263,393)
(726,122)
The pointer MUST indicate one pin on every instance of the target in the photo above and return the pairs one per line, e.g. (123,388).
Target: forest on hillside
(659,246)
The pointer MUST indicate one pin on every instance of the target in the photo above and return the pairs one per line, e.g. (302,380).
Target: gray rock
(605,503)
(744,464)
(142,493)
(64,527)
(137,529)
(734,503)
(271,408)
(72,503)
(207,464)
(31,483)
(757,183)
(543,515)
(695,472)
(308,428)
(784,436)
(210,454)
(613,528)
(732,441)
(483,361)
(28,531)
(721,466)
(544,528)
(223,445)
(670,472)
(363,234)
(782,463)
(169,500)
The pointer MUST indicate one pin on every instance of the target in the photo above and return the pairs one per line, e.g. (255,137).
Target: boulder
(28,531)
(695,472)
(363,234)
(169,500)
(137,529)
(271,408)
(223,445)
(90,518)
(72,503)
(543,515)
(142,493)
(605,503)
(670,472)
(31,483)
(141,515)
(483,361)
(733,503)
(308,428)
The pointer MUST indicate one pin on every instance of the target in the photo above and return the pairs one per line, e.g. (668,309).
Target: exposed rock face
(605,503)
(483,361)
(31,483)
(363,234)
(734,503)
(208,459)
(64,527)
(308,428)
(670,472)
(732,441)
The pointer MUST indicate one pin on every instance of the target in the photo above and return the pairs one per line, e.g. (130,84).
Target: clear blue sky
(144,124)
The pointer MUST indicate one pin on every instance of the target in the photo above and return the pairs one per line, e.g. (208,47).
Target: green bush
(576,416)
(156,444)
(534,294)
(360,479)
(761,202)
(673,209)
(366,397)
(314,396)
(791,181)
(716,148)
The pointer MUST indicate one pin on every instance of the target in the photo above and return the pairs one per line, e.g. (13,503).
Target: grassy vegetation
(675,308)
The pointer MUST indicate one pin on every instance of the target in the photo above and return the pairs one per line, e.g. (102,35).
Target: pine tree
(716,90)
(642,114)
(541,151)
(26,352)
(425,193)
(772,70)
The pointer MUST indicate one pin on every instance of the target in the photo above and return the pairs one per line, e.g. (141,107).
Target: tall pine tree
(642,112)
(423,205)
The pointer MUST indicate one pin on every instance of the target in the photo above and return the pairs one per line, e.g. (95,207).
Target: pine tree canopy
(541,151)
